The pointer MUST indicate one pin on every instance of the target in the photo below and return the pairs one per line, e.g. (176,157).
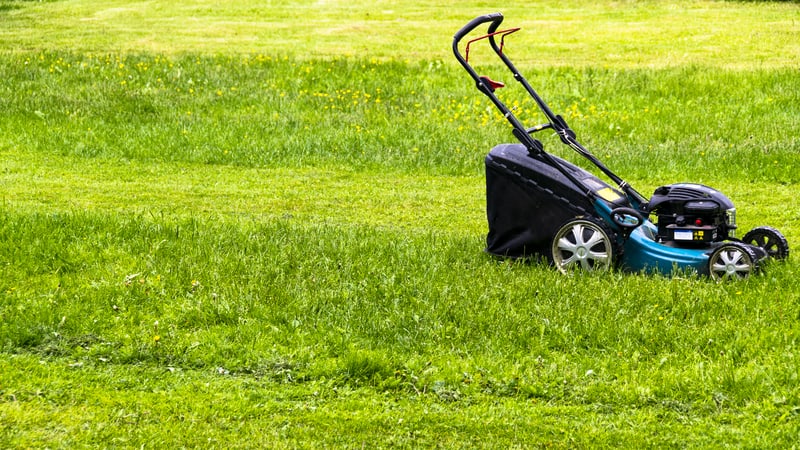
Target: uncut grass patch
(362,307)
(262,111)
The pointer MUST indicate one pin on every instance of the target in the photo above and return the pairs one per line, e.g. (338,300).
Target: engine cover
(692,214)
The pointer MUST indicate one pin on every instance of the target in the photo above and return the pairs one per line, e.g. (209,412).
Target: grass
(256,310)
(370,115)
(575,33)
(205,242)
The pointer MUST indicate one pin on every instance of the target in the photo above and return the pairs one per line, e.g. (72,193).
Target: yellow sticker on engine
(608,194)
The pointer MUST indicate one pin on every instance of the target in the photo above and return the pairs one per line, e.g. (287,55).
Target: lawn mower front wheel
(770,240)
(582,244)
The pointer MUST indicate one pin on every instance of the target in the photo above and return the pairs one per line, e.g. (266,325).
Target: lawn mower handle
(496,18)
(484,84)
(523,134)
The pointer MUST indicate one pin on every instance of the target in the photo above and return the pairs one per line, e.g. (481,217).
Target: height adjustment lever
(491,84)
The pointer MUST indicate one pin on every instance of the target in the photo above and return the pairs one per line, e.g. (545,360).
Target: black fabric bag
(528,200)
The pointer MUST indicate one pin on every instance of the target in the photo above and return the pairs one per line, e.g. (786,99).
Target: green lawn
(261,225)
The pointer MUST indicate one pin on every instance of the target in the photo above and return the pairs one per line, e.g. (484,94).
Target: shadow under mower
(540,204)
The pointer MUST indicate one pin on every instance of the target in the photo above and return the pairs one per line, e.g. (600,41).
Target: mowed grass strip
(575,33)
(394,200)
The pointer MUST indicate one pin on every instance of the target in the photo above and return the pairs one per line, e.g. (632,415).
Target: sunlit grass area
(576,33)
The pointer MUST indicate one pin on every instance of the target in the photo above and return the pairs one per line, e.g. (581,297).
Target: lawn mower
(539,204)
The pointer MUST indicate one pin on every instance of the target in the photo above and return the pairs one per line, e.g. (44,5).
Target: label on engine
(683,235)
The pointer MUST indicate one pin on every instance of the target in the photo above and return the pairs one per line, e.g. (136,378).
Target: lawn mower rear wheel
(583,244)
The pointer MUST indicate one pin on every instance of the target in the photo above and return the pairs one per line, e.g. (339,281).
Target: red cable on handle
(504,33)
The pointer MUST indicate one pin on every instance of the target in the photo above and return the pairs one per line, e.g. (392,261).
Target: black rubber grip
(497,18)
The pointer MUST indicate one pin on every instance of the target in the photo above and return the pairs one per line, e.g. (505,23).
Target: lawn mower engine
(692,215)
